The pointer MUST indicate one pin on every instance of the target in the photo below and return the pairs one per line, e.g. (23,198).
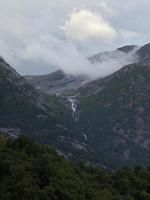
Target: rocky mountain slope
(114,115)
(19,99)
(105,122)
(61,83)
(57,82)
(46,118)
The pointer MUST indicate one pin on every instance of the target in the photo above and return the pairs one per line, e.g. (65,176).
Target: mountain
(60,83)
(111,114)
(19,101)
(57,82)
(114,115)
(46,118)
(125,52)
(104,122)
(128,48)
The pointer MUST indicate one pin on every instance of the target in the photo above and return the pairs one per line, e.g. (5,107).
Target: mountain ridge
(104,122)
(46,118)
(60,83)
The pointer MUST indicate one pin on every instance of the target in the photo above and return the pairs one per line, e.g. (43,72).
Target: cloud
(110,62)
(85,24)
(33,41)
(107,10)
(130,36)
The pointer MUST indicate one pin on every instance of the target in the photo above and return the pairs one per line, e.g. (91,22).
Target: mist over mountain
(57,82)
(97,66)
(104,122)
(102,64)
(111,112)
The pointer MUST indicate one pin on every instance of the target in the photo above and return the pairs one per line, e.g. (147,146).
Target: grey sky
(38,36)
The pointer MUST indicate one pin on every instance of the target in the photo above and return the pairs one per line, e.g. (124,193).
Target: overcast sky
(37,36)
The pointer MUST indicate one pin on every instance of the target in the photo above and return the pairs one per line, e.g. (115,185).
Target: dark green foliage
(32,171)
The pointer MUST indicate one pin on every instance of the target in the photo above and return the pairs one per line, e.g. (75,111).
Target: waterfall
(73,107)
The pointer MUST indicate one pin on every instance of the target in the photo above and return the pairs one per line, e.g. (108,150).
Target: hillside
(104,122)
(32,171)
(111,114)
(46,118)
(23,106)
(114,115)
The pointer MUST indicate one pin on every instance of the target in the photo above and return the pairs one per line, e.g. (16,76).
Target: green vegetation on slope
(114,113)
(40,116)
(32,171)
(22,106)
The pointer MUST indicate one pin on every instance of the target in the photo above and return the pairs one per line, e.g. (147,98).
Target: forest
(31,171)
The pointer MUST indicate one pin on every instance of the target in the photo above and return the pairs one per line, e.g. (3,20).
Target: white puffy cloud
(85,24)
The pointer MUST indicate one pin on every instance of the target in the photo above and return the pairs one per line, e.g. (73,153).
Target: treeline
(29,171)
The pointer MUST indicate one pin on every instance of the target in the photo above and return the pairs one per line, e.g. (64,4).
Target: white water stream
(73,107)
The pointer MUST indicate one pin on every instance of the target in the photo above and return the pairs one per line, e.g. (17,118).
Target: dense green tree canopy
(32,171)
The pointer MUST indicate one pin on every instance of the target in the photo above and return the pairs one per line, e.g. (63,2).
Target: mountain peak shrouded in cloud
(40,36)
(102,64)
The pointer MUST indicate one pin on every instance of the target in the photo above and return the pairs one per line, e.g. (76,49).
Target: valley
(104,122)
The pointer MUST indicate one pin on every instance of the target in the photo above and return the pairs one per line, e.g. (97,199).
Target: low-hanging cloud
(108,63)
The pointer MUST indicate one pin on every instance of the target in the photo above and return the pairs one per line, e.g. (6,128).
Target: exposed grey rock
(11,132)
(57,82)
